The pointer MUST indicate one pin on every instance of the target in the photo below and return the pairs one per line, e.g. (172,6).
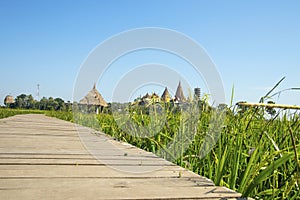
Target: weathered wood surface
(268,105)
(45,158)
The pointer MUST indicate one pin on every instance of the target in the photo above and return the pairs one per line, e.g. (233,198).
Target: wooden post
(269,105)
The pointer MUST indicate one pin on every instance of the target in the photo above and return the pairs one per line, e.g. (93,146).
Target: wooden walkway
(45,158)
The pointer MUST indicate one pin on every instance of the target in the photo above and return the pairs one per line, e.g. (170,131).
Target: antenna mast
(38,92)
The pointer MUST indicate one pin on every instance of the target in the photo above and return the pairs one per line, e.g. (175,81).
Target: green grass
(7,112)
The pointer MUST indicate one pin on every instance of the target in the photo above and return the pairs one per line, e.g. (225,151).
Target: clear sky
(253,43)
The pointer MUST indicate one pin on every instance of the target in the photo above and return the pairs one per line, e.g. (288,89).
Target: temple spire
(179,96)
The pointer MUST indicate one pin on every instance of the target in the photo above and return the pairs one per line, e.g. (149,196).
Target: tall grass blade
(263,175)
(274,143)
(221,167)
(267,95)
(232,96)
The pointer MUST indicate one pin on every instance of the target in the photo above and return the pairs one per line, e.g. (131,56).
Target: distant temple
(179,96)
(147,99)
(165,97)
(94,100)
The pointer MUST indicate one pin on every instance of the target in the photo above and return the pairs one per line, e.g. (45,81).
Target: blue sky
(253,44)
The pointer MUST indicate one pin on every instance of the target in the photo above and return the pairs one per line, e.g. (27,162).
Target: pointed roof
(146,96)
(154,95)
(93,98)
(166,95)
(179,96)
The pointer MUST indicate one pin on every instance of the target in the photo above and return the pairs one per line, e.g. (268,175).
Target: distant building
(179,96)
(155,97)
(146,100)
(94,98)
(146,96)
(165,97)
(197,93)
(8,100)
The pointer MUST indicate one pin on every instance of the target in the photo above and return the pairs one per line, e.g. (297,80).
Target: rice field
(256,153)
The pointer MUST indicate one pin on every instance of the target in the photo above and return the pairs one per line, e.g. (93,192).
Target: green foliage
(7,112)
(24,101)
(64,115)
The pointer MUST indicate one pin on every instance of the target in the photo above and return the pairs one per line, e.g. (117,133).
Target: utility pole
(38,92)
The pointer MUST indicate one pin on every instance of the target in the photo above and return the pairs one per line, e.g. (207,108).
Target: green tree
(29,102)
(20,101)
(61,104)
(51,105)
(43,103)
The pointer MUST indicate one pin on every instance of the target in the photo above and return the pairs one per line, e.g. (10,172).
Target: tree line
(24,101)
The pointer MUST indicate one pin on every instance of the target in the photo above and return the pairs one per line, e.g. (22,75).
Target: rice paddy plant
(255,154)
(64,115)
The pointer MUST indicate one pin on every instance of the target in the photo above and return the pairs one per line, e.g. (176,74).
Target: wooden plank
(111,189)
(47,158)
